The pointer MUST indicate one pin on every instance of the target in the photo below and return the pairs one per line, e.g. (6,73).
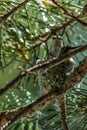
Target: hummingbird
(55,77)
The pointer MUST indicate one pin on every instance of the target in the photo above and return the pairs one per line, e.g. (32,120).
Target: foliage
(19,34)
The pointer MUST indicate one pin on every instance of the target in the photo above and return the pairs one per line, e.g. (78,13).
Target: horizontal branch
(9,117)
(46,64)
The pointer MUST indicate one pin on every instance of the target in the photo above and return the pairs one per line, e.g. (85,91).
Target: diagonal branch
(9,117)
(56,61)
(5,16)
(44,37)
(69,14)
(46,64)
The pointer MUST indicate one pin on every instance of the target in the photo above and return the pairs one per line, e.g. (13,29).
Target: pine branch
(44,37)
(69,14)
(9,117)
(46,64)
(5,16)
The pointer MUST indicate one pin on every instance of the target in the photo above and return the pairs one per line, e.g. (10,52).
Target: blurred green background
(18,34)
